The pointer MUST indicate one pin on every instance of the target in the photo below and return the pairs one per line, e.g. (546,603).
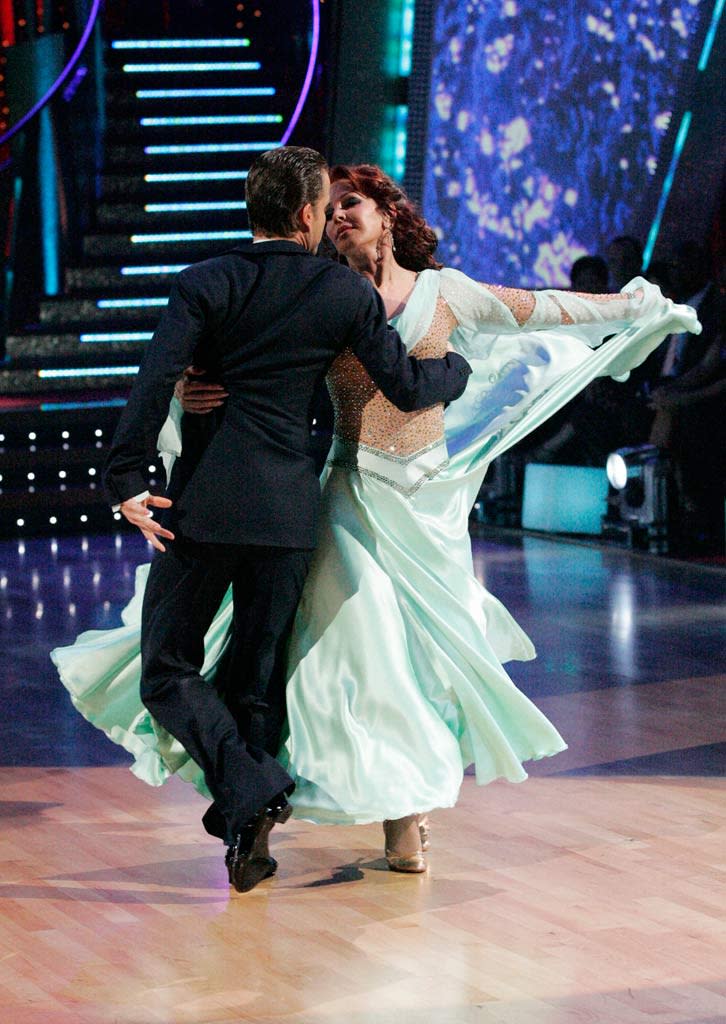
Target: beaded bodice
(364,416)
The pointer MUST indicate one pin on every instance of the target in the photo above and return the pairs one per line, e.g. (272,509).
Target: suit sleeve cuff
(136,497)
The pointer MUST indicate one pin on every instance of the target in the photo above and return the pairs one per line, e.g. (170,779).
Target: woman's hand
(198,396)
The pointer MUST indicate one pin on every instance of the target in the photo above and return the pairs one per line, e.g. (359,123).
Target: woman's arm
(497,309)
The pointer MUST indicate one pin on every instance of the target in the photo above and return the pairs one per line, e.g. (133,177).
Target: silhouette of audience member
(589,274)
(687,395)
(625,260)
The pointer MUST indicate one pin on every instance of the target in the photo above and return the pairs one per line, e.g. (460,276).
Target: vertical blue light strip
(48,196)
(407,21)
(667,185)
(711,35)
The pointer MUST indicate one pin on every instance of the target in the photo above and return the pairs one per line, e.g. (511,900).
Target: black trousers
(232,728)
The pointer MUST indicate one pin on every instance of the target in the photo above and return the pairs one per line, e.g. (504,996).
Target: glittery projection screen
(551,127)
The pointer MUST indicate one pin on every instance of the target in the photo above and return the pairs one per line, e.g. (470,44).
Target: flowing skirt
(395,668)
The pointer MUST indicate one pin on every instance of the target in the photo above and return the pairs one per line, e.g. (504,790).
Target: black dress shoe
(248,859)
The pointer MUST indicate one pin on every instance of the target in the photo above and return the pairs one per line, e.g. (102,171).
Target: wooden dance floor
(594,893)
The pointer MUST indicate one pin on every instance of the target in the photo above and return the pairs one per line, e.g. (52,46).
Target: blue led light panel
(549,127)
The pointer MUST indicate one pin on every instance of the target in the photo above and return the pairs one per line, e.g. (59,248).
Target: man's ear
(305,217)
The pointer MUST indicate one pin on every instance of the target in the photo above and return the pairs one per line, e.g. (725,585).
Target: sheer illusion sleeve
(493,309)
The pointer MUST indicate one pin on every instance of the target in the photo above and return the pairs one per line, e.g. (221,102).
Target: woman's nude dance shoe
(424,831)
(403,845)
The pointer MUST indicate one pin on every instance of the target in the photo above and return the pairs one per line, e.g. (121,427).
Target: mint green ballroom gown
(395,668)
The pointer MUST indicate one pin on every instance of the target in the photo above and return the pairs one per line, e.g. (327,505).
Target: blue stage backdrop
(551,127)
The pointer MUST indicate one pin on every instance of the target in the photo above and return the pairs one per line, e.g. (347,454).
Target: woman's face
(354,220)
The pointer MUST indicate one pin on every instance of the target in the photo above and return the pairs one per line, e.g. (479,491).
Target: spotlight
(65,435)
(32,436)
(20,522)
(639,476)
(53,520)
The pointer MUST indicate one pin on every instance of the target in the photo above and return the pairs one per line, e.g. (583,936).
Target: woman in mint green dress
(396,681)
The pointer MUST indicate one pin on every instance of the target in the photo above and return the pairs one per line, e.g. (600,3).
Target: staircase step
(249,117)
(183,186)
(50,350)
(231,153)
(121,279)
(88,311)
(173,215)
(185,250)
(29,384)
(118,81)
(174,185)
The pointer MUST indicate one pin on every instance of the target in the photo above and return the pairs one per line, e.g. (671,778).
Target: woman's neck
(393,282)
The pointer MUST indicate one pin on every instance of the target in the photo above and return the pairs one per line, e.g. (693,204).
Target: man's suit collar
(275,245)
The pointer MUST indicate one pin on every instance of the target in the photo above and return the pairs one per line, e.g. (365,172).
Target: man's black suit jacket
(267,319)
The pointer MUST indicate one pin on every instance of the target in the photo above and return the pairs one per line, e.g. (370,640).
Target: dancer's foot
(403,845)
(248,858)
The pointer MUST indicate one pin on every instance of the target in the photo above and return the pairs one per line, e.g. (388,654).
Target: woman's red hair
(415,241)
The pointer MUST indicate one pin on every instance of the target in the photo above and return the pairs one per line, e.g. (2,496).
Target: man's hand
(198,396)
(139,514)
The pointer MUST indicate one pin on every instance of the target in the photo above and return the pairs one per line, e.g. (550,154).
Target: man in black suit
(266,319)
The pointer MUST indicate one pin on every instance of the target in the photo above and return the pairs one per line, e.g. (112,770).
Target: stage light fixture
(166,268)
(186,208)
(174,122)
(185,94)
(639,476)
(129,303)
(183,236)
(206,147)
(223,65)
(117,336)
(178,44)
